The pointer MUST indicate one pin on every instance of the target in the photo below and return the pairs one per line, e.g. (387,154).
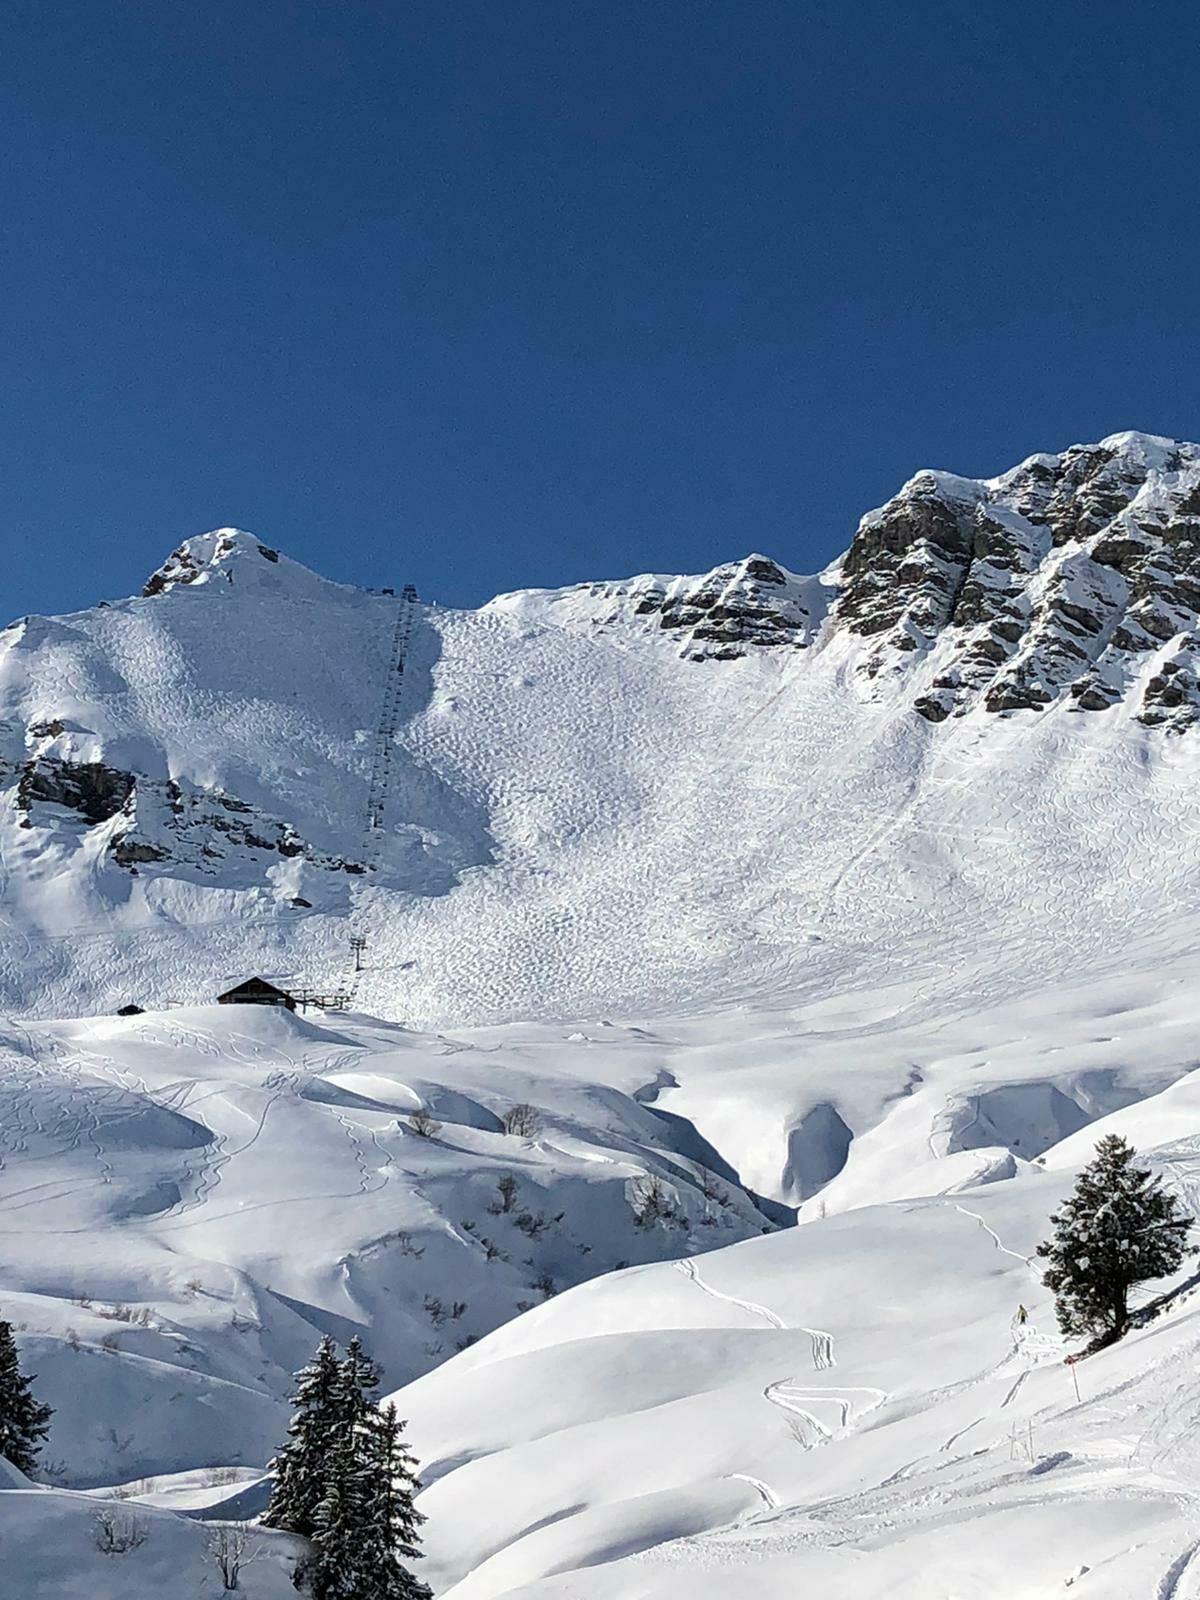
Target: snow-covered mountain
(618,796)
(866,897)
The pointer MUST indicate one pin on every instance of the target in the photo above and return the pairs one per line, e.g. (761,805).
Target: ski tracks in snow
(822,1343)
(770,1499)
(799,1401)
(994,1236)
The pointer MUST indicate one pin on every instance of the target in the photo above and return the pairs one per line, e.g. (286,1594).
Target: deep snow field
(745,933)
(848,1405)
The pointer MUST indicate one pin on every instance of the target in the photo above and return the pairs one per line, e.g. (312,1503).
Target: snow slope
(188,1200)
(852,1408)
(581,818)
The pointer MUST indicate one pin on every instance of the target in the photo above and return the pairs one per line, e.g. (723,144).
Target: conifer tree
(345,1567)
(367,1520)
(394,1519)
(302,1466)
(23,1422)
(359,1380)
(345,1479)
(1119,1228)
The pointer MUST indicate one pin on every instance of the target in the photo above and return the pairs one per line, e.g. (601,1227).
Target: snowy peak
(1071,579)
(230,556)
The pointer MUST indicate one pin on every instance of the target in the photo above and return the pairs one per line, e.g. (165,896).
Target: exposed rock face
(743,606)
(163,821)
(735,608)
(97,792)
(1073,578)
(179,567)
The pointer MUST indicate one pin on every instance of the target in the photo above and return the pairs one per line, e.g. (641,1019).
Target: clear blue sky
(488,293)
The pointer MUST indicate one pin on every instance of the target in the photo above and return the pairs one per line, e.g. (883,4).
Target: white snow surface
(743,927)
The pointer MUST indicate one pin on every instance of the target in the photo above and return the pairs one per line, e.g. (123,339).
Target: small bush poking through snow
(117,1533)
(226,1549)
(522,1122)
(652,1203)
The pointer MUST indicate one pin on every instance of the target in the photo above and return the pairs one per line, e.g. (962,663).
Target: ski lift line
(379,782)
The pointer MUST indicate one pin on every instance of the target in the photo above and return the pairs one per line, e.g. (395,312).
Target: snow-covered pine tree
(367,1520)
(394,1519)
(359,1380)
(303,1464)
(23,1422)
(1119,1227)
(345,1565)
(345,1479)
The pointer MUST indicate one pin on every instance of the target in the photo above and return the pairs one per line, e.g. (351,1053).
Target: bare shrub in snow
(131,1491)
(523,1122)
(652,1203)
(226,1548)
(220,1477)
(117,1532)
(141,1315)
(438,1312)
(534,1223)
(423,1125)
(711,1187)
(507,1189)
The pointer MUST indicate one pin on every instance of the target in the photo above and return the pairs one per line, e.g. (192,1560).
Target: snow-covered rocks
(723,615)
(219,555)
(1062,580)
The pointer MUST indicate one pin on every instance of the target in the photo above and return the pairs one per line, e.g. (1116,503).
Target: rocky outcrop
(179,567)
(206,556)
(163,821)
(1072,579)
(733,611)
(97,792)
(750,604)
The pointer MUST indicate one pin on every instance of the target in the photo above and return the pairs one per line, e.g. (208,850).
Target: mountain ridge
(611,797)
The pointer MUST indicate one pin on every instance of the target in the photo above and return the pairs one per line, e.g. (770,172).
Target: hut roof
(255,989)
